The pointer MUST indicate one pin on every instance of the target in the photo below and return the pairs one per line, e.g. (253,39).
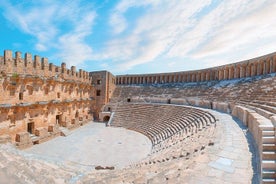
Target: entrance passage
(57,119)
(106,118)
(30,127)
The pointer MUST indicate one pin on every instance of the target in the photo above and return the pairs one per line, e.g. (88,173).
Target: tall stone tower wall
(103,83)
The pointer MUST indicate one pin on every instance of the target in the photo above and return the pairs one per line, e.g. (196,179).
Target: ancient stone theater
(215,125)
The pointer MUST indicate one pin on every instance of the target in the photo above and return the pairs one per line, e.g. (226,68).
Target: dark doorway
(20,96)
(106,118)
(77,115)
(169,101)
(58,119)
(30,127)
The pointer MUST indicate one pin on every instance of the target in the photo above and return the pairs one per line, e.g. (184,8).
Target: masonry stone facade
(38,97)
(104,84)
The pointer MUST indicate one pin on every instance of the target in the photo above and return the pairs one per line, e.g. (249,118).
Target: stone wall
(37,97)
(104,85)
(38,66)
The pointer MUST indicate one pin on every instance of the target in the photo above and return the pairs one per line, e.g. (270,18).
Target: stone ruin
(39,101)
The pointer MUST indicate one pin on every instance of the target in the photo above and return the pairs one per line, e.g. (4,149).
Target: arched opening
(106,118)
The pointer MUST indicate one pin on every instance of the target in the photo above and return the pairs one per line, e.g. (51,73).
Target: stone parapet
(39,67)
(249,68)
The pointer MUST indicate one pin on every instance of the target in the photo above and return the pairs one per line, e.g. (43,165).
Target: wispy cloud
(156,32)
(211,32)
(248,28)
(62,26)
(72,46)
(117,19)
(34,21)
(176,35)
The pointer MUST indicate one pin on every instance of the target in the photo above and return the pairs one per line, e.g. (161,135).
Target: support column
(225,77)
(207,75)
(274,64)
(267,65)
(253,69)
(248,70)
(221,72)
(231,72)
(242,71)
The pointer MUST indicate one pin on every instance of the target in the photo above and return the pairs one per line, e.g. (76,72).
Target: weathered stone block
(179,101)
(242,113)
(221,106)
(5,139)
(23,140)
(41,132)
(53,128)
(273,120)
(22,137)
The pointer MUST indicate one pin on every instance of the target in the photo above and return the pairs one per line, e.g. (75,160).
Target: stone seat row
(267,110)
(160,122)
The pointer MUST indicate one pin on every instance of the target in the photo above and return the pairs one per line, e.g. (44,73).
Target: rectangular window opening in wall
(21,96)
(128,100)
(98,92)
(99,81)
(30,127)
(58,95)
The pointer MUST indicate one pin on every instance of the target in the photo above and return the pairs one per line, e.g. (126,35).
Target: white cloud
(118,23)
(40,47)
(117,20)
(212,32)
(56,25)
(228,32)
(72,46)
(35,21)
(248,35)
(155,32)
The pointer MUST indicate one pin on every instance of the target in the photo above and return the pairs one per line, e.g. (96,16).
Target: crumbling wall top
(38,66)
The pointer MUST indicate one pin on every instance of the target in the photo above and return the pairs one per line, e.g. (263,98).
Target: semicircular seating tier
(160,122)
(252,100)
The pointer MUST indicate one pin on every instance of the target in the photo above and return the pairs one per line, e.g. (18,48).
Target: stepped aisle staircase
(268,155)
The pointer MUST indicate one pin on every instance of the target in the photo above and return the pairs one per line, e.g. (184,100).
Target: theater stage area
(95,145)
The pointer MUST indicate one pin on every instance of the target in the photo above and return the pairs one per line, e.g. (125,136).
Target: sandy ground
(94,144)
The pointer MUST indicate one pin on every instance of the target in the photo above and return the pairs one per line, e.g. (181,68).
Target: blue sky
(130,36)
